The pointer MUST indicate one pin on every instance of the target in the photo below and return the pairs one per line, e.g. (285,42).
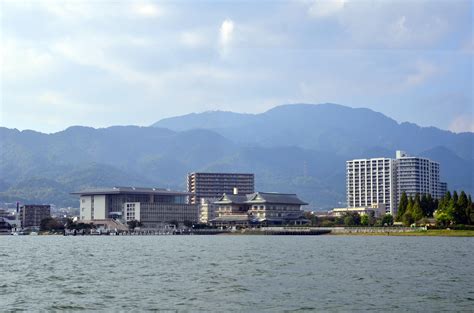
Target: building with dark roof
(213,185)
(266,208)
(147,205)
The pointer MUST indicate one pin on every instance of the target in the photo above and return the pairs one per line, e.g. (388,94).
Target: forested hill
(291,148)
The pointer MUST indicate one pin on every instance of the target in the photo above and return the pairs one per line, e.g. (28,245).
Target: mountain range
(298,148)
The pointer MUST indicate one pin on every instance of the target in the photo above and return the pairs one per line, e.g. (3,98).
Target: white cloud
(20,60)
(226,33)
(325,8)
(462,123)
(148,10)
(192,39)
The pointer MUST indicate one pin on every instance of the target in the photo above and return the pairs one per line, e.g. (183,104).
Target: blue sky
(103,63)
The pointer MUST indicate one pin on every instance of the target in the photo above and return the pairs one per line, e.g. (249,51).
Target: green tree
(425,204)
(416,211)
(387,219)
(470,211)
(462,209)
(352,219)
(402,206)
(51,224)
(407,218)
(455,197)
(409,206)
(364,220)
(133,224)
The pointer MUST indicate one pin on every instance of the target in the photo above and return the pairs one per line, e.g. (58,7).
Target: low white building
(377,209)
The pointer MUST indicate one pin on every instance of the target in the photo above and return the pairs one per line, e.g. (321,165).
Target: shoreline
(425,233)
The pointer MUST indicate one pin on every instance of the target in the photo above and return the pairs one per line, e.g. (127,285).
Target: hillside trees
(455,209)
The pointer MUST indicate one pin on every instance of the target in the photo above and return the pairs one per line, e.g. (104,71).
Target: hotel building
(214,185)
(259,208)
(383,180)
(370,182)
(417,175)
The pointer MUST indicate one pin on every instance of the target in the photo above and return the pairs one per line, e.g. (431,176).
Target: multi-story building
(261,208)
(155,215)
(417,175)
(214,185)
(370,182)
(443,188)
(383,180)
(31,215)
(147,205)
(207,210)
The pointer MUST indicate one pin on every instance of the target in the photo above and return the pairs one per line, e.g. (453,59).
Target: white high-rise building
(370,182)
(383,180)
(417,175)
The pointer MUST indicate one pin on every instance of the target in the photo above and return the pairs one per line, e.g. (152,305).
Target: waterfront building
(376,209)
(31,215)
(417,175)
(383,180)
(265,208)
(147,205)
(369,182)
(214,185)
(156,215)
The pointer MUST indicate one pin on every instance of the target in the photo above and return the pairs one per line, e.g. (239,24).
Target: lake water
(236,273)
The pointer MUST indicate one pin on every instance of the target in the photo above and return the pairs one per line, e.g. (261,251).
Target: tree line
(451,209)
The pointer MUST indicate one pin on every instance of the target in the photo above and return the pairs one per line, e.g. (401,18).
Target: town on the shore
(401,194)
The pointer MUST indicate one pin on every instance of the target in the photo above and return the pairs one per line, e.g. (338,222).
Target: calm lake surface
(236,273)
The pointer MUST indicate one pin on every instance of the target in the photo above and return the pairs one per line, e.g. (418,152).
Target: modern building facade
(417,175)
(383,180)
(371,182)
(259,208)
(214,185)
(148,205)
(156,215)
(31,215)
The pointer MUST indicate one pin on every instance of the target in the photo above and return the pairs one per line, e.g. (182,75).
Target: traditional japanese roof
(232,199)
(273,197)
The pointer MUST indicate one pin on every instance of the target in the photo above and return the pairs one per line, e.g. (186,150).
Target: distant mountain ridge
(343,129)
(291,148)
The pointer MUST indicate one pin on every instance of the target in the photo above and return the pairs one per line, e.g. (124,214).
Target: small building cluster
(218,199)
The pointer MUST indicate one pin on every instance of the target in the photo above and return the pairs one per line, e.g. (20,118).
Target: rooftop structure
(213,185)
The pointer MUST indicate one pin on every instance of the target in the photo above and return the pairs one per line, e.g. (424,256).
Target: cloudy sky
(110,62)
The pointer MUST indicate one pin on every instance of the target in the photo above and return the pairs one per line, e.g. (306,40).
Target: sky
(110,62)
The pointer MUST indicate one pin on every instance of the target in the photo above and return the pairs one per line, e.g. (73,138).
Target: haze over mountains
(291,148)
